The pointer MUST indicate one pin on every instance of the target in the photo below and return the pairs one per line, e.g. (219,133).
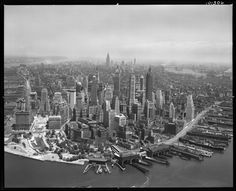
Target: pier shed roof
(155,148)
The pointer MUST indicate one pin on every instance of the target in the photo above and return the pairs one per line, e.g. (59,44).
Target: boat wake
(145,184)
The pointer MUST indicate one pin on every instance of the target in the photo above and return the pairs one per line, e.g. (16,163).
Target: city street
(189,126)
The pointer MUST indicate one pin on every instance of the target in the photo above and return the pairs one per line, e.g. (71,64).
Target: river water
(216,171)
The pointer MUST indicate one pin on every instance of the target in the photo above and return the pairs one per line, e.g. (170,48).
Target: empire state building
(149,85)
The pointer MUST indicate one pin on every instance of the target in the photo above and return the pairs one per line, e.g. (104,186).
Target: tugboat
(184,157)
(108,170)
(105,169)
(99,169)
(120,166)
(87,168)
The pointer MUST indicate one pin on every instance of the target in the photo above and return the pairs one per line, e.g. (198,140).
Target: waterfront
(178,174)
(111,114)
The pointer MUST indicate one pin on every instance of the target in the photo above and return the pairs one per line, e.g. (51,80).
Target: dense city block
(117,112)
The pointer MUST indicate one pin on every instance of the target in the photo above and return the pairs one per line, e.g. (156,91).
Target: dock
(145,163)
(208,146)
(202,151)
(208,135)
(143,170)
(156,160)
(186,153)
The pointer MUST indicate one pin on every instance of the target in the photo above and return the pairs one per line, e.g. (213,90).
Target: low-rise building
(54,122)
(23,120)
(174,128)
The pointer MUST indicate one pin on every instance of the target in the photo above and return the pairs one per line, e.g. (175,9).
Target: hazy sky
(152,32)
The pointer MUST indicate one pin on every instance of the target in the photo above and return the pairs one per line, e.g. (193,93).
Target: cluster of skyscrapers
(105,104)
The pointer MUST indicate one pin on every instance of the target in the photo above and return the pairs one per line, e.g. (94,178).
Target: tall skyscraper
(143,98)
(108,60)
(137,84)
(116,80)
(57,97)
(80,100)
(106,105)
(117,105)
(123,106)
(147,109)
(64,111)
(33,100)
(45,107)
(153,97)
(101,94)
(149,85)
(152,110)
(23,120)
(80,97)
(108,93)
(159,99)
(111,120)
(132,87)
(163,98)
(79,87)
(172,112)
(189,108)
(20,104)
(71,94)
(137,109)
(100,114)
(27,95)
(94,88)
(167,96)
(85,84)
(141,82)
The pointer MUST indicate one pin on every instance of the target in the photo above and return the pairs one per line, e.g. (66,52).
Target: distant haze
(198,33)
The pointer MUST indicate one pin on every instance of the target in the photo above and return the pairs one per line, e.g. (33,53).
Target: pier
(123,156)
(145,163)
(101,164)
(186,153)
(143,170)
(98,160)
(208,135)
(208,146)
(156,160)
(157,150)
(203,152)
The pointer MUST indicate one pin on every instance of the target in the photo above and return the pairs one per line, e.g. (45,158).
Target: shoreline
(41,158)
(54,157)
(157,169)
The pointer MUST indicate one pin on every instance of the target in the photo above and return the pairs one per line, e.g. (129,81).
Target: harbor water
(216,171)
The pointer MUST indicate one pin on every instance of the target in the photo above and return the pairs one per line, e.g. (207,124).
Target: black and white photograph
(118,96)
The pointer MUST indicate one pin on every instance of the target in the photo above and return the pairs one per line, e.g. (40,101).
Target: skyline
(151,32)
